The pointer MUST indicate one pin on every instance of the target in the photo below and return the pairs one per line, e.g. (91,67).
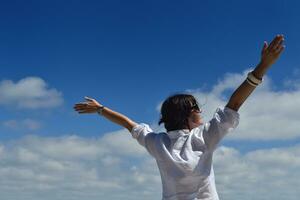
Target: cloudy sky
(131,55)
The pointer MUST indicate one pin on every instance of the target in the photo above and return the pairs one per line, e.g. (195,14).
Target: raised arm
(269,54)
(92,106)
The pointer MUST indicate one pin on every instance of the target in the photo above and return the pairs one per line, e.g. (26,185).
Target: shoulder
(140,128)
(161,137)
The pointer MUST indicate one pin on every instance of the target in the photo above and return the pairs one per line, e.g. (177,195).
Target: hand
(270,53)
(90,106)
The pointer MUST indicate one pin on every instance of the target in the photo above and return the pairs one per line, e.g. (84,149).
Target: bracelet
(252,80)
(251,83)
(100,110)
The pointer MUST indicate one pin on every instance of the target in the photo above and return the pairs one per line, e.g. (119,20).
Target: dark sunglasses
(196,107)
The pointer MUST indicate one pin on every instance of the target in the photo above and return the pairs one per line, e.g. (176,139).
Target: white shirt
(184,157)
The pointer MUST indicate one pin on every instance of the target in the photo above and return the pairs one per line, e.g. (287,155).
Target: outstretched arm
(92,106)
(270,53)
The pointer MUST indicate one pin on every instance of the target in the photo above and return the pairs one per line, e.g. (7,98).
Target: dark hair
(175,111)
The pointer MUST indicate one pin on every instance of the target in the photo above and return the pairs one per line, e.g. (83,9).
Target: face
(195,119)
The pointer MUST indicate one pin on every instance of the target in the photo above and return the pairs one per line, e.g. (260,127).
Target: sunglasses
(196,107)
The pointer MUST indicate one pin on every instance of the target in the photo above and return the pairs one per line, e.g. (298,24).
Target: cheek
(196,118)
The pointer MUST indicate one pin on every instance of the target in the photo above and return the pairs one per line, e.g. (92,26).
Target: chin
(197,125)
(200,124)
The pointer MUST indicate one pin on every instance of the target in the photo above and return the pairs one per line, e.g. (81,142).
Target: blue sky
(131,55)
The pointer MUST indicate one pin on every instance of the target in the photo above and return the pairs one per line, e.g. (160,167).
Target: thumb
(88,98)
(265,46)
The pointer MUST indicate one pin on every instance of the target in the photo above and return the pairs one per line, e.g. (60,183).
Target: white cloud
(72,167)
(25,124)
(77,168)
(1,151)
(116,167)
(29,93)
(261,174)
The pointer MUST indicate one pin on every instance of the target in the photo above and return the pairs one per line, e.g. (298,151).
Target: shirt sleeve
(145,136)
(223,121)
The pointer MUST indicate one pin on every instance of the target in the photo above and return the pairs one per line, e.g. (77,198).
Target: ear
(189,122)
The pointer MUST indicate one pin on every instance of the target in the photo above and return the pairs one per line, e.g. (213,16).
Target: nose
(198,111)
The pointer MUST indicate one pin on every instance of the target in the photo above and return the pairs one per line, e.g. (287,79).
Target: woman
(184,153)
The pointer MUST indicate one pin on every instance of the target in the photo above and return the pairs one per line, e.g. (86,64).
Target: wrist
(260,70)
(100,109)
(264,64)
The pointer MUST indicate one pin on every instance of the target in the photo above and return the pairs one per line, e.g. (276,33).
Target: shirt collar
(178,133)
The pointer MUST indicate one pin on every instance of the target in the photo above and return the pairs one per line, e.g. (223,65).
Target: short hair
(175,111)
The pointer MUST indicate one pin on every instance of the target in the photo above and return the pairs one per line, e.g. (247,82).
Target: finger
(84,108)
(88,98)
(278,44)
(81,104)
(85,112)
(279,50)
(274,41)
(79,109)
(82,112)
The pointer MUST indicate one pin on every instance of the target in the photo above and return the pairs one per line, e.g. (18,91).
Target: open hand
(270,53)
(90,106)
